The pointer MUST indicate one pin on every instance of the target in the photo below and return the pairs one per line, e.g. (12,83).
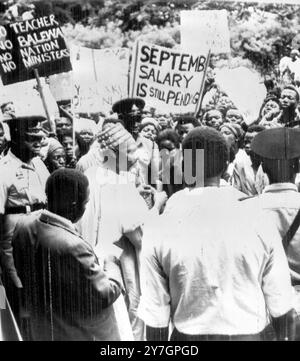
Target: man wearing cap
(22,182)
(279,150)
(129,110)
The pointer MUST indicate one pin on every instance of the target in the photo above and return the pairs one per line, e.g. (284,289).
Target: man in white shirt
(208,270)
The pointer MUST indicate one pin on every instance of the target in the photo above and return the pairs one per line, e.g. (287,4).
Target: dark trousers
(265,335)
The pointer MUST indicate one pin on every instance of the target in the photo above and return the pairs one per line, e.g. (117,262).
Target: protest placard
(166,79)
(112,71)
(32,44)
(204,30)
(100,77)
(244,87)
(62,86)
(26,98)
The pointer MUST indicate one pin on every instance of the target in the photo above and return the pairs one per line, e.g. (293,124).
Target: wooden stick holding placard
(40,90)
(73,125)
(134,71)
(128,81)
(201,92)
(71,116)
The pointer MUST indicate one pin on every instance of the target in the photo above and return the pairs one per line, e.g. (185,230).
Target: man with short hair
(213,118)
(289,115)
(66,293)
(203,271)
(62,124)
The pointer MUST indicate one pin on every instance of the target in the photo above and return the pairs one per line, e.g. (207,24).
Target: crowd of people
(146,226)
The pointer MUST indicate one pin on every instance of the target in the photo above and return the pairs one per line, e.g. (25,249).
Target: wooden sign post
(40,90)
(201,92)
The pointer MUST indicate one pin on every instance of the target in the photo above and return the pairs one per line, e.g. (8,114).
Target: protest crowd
(135,223)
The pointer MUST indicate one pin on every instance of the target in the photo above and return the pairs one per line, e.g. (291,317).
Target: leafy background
(260,33)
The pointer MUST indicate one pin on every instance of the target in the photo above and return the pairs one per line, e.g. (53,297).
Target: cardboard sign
(244,87)
(100,77)
(204,30)
(166,79)
(26,98)
(62,86)
(36,43)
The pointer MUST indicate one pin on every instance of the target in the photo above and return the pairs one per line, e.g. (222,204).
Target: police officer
(22,183)
(279,150)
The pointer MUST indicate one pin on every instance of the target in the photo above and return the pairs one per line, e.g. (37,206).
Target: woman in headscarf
(149,128)
(56,156)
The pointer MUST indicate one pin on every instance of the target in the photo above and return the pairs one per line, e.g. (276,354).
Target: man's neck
(67,216)
(23,156)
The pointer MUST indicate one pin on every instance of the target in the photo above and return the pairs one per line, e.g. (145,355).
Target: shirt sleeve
(276,282)
(154,308)
(132,209)
(3,193)
(103,287)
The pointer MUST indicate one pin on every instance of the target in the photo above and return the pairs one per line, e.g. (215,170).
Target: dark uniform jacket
(66,293)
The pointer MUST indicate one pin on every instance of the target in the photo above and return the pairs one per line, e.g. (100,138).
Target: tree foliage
(260,33)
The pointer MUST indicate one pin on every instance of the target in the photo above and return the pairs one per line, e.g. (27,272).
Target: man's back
(281,201)
(66,293)
(212,272)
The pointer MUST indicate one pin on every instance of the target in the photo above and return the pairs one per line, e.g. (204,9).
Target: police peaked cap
(124,106)
(278,143)
(30,125)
